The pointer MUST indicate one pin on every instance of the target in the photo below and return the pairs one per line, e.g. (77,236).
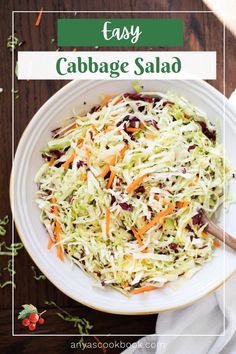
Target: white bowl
(72,281)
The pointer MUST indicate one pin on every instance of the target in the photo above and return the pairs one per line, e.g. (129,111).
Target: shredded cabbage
(176,147)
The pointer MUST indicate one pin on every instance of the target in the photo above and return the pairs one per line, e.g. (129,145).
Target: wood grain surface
(202,32)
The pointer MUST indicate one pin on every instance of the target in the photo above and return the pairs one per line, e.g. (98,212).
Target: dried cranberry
(133,121)
(197,218)
(140,189)
(141,108)
(58,153)
(113,199)
(46,157)
(153,123)
(173,246)
(211,134)
(80,163)
(167,103)
(139,97)
(192,147)
(126,206)
(93,109)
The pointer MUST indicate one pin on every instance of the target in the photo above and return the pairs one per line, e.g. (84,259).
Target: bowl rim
(50,277)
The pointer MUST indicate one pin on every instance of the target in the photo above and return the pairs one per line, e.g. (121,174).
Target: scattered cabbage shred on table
(123,186)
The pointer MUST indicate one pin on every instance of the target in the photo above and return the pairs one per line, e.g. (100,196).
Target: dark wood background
(202,32)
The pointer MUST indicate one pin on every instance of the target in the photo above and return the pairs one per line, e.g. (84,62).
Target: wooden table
(202,32)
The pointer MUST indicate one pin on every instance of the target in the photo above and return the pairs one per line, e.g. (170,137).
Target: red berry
(41,320)
(25,322)
(32,326)
(34,317)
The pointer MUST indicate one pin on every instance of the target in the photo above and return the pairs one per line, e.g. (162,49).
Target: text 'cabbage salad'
(122,189)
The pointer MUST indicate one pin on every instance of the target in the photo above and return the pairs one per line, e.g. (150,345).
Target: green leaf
(27,310)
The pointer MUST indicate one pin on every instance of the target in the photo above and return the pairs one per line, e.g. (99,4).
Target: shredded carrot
(108,218)
(165,200)
(216,244)
(104,102)
(67,163)
(182,204)
(113,161)
(204,234)
(57,231)
(124,284)
(80,142)
(142,125)
(88,156)
(118,101)
(84,177)
(106,169)
(140,242)
(39,18)
(132,130)
(155,220)
(94,129)
(58,239)
(55,208)
(136,234)
(51,162)
(135,184)
(50,243)
(143,289)
(111,179)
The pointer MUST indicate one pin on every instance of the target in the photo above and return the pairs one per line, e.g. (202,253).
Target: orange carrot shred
(132,130)
(140,242)
(182,204)
(136,234)
(113,161)
(39,18)
(216,244)
(80,142)
(104,102)
(108,217)
(165,200)
(51,162)
(94,129)
(58,239)
(155,220)
(111,179)
(118,101)
(55,208)
(67,163)
(135,184)
(142,125)
(109,128)
(84,177)
(143,289)
(49,243)
(204,234)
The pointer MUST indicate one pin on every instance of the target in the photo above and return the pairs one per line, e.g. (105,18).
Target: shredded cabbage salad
(122,189)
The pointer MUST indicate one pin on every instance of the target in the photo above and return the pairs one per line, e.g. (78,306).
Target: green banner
(120,32)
